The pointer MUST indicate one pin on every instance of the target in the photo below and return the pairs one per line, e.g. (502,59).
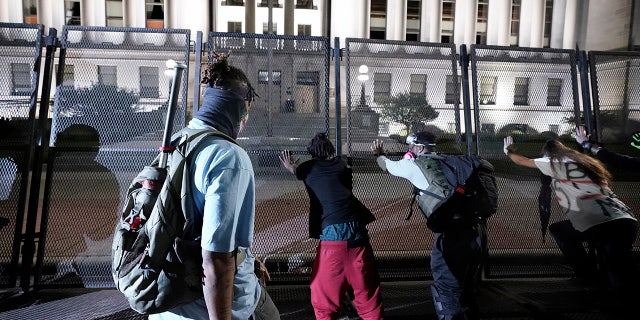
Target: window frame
(21,79)
(108,17)
(104,72)
(552,84)
(521,91)
(451,96)
(418,84)
(381,86)
(146,90)
(487,90)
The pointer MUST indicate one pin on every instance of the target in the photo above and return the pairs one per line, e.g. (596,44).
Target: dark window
(68,75)
(155,13)
(515,22)
(521,91)
(381,86)
(30,11)
(418,86)
(21,79)
(263,76)
(107,75)
(488,90)
(72,12)
(304,30)
(307,78)
(234,26)
(274,3)
(554,91)
(305,4)
(265,28)
(233,3)
(452,95)
(149,82)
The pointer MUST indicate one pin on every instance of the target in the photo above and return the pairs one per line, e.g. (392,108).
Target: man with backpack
(457,252)
(223,191)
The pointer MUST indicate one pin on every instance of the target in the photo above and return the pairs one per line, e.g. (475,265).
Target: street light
(363,76)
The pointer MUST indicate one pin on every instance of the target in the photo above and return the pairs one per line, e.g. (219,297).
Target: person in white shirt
(593,215)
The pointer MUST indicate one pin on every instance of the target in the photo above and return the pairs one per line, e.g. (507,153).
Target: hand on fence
(377,147)
(581,135)
(636,140)
(508,142)
(289,162)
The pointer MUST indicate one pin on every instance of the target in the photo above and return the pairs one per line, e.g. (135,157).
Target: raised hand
(508,141)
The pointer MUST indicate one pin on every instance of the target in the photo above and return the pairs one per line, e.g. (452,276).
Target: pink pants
(334,269)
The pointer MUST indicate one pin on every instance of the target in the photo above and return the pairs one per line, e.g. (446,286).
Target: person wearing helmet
(456,252)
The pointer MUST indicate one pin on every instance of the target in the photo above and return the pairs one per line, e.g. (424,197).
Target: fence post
(464,70)
(336,57)
(196,81)
(583,69)
(30,236)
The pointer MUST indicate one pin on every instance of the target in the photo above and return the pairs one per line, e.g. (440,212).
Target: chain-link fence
(20,57)
(291,78)
(110,103)
(109,111)
(532,95)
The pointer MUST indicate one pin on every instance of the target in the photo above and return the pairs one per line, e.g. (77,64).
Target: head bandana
(222,109)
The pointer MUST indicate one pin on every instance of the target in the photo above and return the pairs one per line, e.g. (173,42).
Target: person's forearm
(219,272)
(521,160)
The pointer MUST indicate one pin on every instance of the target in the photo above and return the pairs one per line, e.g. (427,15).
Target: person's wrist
(586,145)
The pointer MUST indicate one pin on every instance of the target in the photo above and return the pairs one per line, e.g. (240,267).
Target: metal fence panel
(291,77)
(109,113)
(532,95)
(20,52)
(615,88)
(394,88)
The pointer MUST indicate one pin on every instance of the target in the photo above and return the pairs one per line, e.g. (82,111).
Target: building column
(197,20)
(289,17)
(350,19)
(465,20)
(499,23)
(570,20)
(430,20)
(397,20)
(531,33)
(249,16)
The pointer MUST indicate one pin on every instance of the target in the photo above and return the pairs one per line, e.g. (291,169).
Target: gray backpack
(156,259)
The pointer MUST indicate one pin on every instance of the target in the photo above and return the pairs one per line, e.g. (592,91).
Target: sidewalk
(548,298)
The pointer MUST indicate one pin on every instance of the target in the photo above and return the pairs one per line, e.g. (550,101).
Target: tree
(411,110)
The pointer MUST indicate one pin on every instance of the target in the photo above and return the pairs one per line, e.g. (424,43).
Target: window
(452,94)
(107,75)
(448,16)
(239,3)
(483,14)
(554,90)
(263,76)
(305,4)
(307,78)
(234,26)
(304,30)
(548,15)
(155,13)
(68,75)
(488,90)
(30,11)
(21,79)
(521,92)
(149,82)
(265,3)
(114,13)
(515,22)
(72,12)
(381,86)
(418,86)
(378,19)
(265,28)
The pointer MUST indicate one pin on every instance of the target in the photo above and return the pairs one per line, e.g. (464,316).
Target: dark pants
(455,261)
(613,243)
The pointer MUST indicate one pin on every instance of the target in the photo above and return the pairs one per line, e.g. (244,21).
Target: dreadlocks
(219,74)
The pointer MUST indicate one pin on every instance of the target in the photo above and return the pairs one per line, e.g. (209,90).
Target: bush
(97,99)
